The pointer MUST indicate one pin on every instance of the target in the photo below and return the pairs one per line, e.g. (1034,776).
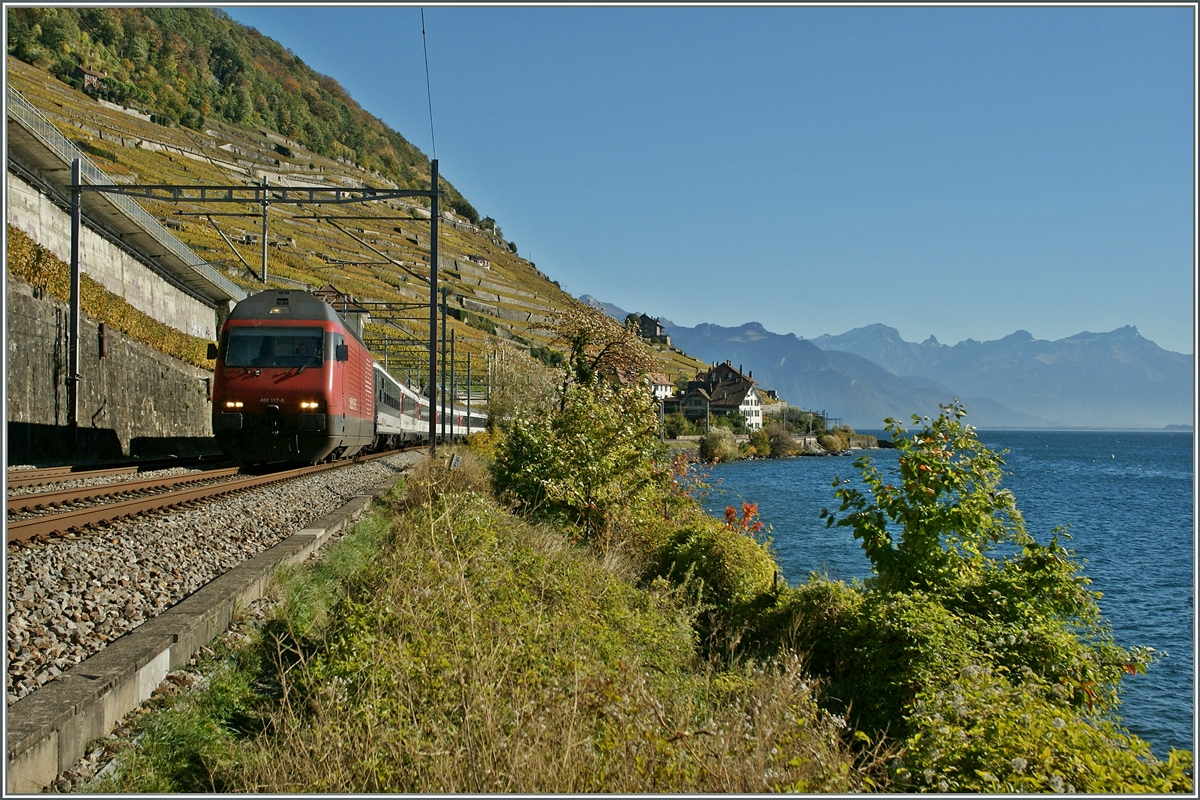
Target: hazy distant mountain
(1100,380)
(842,384)
(616,312)
(1115,379)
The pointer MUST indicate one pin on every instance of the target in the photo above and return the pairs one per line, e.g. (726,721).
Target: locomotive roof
(292,304)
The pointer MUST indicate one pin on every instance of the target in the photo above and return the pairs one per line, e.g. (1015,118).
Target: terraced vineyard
(378,251)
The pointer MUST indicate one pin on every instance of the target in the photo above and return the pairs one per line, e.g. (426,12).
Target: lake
(1128,497)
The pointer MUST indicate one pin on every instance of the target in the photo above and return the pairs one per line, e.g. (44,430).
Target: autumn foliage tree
(597,346)
(596,455)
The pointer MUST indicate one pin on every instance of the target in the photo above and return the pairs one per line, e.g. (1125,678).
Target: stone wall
(117,270)
(135,402)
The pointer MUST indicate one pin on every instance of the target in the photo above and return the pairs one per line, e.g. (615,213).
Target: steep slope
(377,252)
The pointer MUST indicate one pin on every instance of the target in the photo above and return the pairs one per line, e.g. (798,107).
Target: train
(294,383)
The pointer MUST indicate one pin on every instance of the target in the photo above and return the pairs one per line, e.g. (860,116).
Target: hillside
(376,252)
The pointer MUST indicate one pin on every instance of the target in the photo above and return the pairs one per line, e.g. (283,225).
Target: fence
(36,123)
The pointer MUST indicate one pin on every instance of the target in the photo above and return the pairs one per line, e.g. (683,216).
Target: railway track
(95,622)
(77,520)
(44,476)
(63,497)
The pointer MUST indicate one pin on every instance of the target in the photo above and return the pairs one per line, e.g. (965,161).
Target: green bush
(718,445)
(761,443)
(734,423)
(728,574)
(676,425)
(732,568)
(581,465)
(994,668)
(978,732)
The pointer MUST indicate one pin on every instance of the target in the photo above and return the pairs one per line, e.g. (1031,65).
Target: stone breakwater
(69,596)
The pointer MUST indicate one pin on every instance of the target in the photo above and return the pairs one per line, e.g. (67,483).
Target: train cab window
(274,347)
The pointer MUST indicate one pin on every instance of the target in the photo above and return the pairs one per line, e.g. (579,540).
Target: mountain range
(1117,379)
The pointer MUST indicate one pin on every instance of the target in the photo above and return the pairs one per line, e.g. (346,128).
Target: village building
(660,385)
(91,79)
(650,328)
(722,391)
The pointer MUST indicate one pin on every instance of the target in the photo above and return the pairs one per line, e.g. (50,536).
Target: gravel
(83,483)
(71,595)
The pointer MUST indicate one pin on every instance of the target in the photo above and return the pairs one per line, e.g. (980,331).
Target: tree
(982,649)
(761,443)
(780,439)
(522,387)
(594,458)
(597,346)
(676,425)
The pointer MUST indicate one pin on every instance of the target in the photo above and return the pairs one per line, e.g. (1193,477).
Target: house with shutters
(660,385)
(722,391)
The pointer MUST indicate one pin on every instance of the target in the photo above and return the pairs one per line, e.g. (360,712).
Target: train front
(273,393)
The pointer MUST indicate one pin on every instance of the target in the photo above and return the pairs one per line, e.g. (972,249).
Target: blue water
(1127,497)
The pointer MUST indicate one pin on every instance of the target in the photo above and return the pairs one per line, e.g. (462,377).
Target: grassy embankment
(447,646)
(657,646)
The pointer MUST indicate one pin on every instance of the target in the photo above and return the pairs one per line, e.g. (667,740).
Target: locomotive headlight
(309,404)
(233,403)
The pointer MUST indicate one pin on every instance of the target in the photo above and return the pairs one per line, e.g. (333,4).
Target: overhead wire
(428,93)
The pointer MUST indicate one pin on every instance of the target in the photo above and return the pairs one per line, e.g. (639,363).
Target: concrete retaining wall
(118,271)
(135,402)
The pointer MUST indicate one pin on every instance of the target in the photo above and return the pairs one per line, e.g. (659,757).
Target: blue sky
(960,172)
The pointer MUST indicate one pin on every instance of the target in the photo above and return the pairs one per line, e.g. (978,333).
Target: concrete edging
(49,730)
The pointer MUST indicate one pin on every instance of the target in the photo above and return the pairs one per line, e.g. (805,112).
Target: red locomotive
(293,383)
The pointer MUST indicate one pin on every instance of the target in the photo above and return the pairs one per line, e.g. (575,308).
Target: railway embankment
(97,619)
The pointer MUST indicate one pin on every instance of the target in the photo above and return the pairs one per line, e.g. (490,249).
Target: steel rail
(25,530)
(39,477)
(29,502)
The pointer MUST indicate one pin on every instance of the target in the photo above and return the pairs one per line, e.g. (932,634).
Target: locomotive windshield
(274,347)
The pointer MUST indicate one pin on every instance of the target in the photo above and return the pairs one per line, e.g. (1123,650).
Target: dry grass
(494,657)
(432,478)
(449,647)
